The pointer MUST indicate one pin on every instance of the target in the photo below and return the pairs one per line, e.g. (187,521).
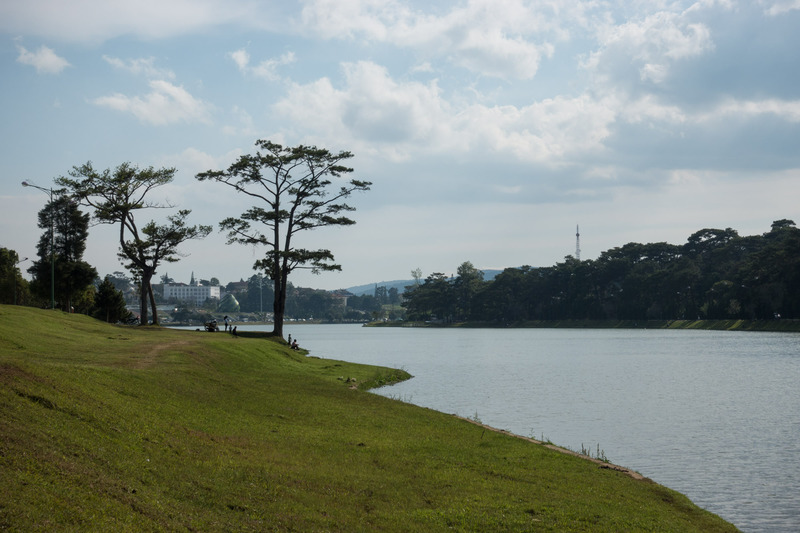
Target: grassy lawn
(108,428)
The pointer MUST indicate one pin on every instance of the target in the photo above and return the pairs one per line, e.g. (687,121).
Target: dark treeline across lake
(717,274)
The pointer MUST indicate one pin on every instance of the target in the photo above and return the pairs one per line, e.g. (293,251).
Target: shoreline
(549,445)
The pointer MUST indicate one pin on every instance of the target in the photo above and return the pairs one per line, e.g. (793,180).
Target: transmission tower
(578,243)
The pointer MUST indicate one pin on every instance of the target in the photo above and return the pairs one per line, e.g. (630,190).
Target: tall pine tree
(60,256)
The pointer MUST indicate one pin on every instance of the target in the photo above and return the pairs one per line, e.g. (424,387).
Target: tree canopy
(116,197)
(13,287)
(110,303)
(292,191)
(60,256)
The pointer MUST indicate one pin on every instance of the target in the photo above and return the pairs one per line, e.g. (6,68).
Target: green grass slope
(107,428)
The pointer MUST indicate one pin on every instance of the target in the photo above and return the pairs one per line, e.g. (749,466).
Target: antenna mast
(578,243)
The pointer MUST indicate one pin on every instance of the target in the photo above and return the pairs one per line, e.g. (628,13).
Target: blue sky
(489,129)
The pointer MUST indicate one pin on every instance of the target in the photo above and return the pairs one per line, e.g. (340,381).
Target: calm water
(714,415)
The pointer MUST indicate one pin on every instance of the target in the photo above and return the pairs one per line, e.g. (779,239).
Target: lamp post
(15,278)
(52,242)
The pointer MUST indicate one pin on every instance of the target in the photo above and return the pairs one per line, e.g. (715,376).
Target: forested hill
(716,275)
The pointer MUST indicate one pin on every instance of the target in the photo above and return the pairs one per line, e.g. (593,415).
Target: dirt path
(150,358)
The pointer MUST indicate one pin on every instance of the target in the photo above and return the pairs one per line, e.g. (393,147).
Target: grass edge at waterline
(118,428)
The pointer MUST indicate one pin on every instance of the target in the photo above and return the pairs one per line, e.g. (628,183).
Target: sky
(489,129)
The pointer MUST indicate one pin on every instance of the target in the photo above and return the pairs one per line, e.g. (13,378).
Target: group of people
(229,325)
(293,343)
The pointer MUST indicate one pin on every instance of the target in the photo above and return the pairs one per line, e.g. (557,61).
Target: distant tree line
(716,274)
(78,288)
(61,278)
(255,295)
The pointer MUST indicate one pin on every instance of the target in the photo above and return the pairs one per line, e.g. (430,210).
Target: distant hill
(401,284)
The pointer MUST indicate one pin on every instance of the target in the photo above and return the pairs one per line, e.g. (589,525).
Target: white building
(196,294)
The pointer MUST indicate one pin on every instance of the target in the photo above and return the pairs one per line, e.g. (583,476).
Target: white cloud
(377,115)
(493,53)
(331,19)
(44,60)
(648,108)
(544,132)
(505,39)
(650,44)
(780,7)
(372,109)
(241,58)
(380,108)
(423,67)
(165,104)
(399,119)
(99,20)
(140,66)
(789,111)
(267,69)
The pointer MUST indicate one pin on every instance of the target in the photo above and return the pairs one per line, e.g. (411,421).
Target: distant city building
(236,286)
(196,294)
(341,296)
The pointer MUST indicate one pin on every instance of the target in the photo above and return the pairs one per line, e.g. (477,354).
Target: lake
(714,415)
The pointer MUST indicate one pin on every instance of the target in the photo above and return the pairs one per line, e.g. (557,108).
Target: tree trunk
(279,305)
(143,301)
(153,304)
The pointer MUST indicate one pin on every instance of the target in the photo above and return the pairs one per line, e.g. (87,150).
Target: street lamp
(14,273)
(52,242)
